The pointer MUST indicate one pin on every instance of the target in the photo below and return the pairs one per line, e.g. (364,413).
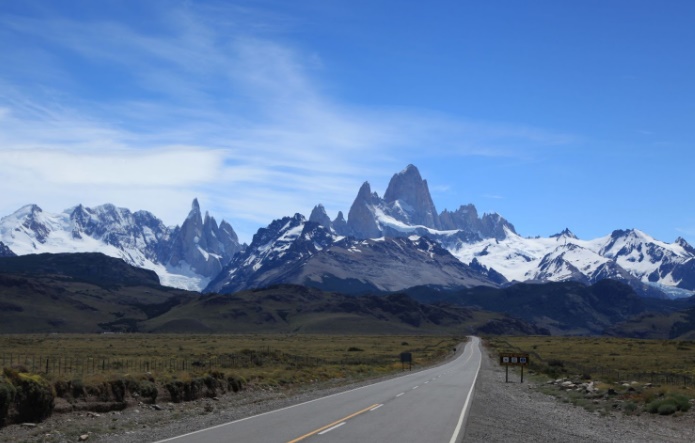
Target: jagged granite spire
(361,220)
(318,215)
(340,225)
(466,218)
(202,244)
(409,199)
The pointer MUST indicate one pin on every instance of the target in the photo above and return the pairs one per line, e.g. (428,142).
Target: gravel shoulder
(519,412)
(149,423)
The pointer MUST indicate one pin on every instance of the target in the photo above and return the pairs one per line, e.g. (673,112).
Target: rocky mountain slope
(77,292)
(294,250)
(91,292)
(5,251)
(565,308)
(184,257)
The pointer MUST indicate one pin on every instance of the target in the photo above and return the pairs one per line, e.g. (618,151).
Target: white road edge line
(466,404)
(294,406)
(326,431)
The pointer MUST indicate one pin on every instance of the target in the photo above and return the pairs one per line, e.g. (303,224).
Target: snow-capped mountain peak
(139,238)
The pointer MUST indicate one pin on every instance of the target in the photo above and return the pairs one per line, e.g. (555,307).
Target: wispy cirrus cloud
(214,103)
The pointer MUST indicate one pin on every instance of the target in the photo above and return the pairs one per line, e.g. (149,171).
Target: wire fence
(653,377)
(65,365)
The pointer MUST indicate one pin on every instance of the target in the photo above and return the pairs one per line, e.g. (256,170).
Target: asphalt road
(425,406)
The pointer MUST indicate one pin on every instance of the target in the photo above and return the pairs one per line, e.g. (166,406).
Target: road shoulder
(513,411)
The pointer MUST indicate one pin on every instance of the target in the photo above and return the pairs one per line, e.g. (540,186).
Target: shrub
(118,388)
(185,390)
(667,409)
(34,397)
(669,404)
(77,388)
(7,394)
(630,407)
(148,390)
(234,383)
(556,363)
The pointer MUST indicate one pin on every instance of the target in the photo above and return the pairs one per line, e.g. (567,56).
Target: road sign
(514,359)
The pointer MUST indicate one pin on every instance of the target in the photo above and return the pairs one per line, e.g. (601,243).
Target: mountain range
(91,292)
(185,256)
(386,244)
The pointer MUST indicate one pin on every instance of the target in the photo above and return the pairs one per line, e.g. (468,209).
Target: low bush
(630,407)
(669,404)
(7,393)
(34,397)
(118,389)
(148,390)
(234,384)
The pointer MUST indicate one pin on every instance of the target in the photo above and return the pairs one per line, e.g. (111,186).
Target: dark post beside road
(406,357)
(513,359)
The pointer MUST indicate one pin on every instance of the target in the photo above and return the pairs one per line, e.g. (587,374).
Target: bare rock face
(409,199)
(202,244)
(5,251)
(466,218)
(295,251)
(318,215)
(120,228)
(340,225)
(361,218)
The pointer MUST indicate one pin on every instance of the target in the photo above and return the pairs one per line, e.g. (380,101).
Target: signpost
(513,359)
(406,357)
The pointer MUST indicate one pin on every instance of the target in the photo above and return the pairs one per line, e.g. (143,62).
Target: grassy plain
(631,375)
(606,354)
(272,359)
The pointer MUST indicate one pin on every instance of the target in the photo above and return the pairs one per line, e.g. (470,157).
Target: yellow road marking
(333,424)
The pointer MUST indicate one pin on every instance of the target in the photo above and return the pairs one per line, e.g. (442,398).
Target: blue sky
(552,113)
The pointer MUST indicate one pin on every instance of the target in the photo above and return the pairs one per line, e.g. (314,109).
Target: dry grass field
(256,359)
(609,374)
(600,355)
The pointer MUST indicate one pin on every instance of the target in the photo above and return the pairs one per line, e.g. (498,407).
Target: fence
(52,364)
(658,378)
(62,365)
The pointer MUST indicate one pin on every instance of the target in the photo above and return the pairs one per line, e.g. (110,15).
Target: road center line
(400,394)
(330,425)
(375,408)
(330,429)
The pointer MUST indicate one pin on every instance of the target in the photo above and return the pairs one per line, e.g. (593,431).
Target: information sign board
(514,359)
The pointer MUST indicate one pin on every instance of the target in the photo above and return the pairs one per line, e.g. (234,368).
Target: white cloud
(176,167)
(210,107)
